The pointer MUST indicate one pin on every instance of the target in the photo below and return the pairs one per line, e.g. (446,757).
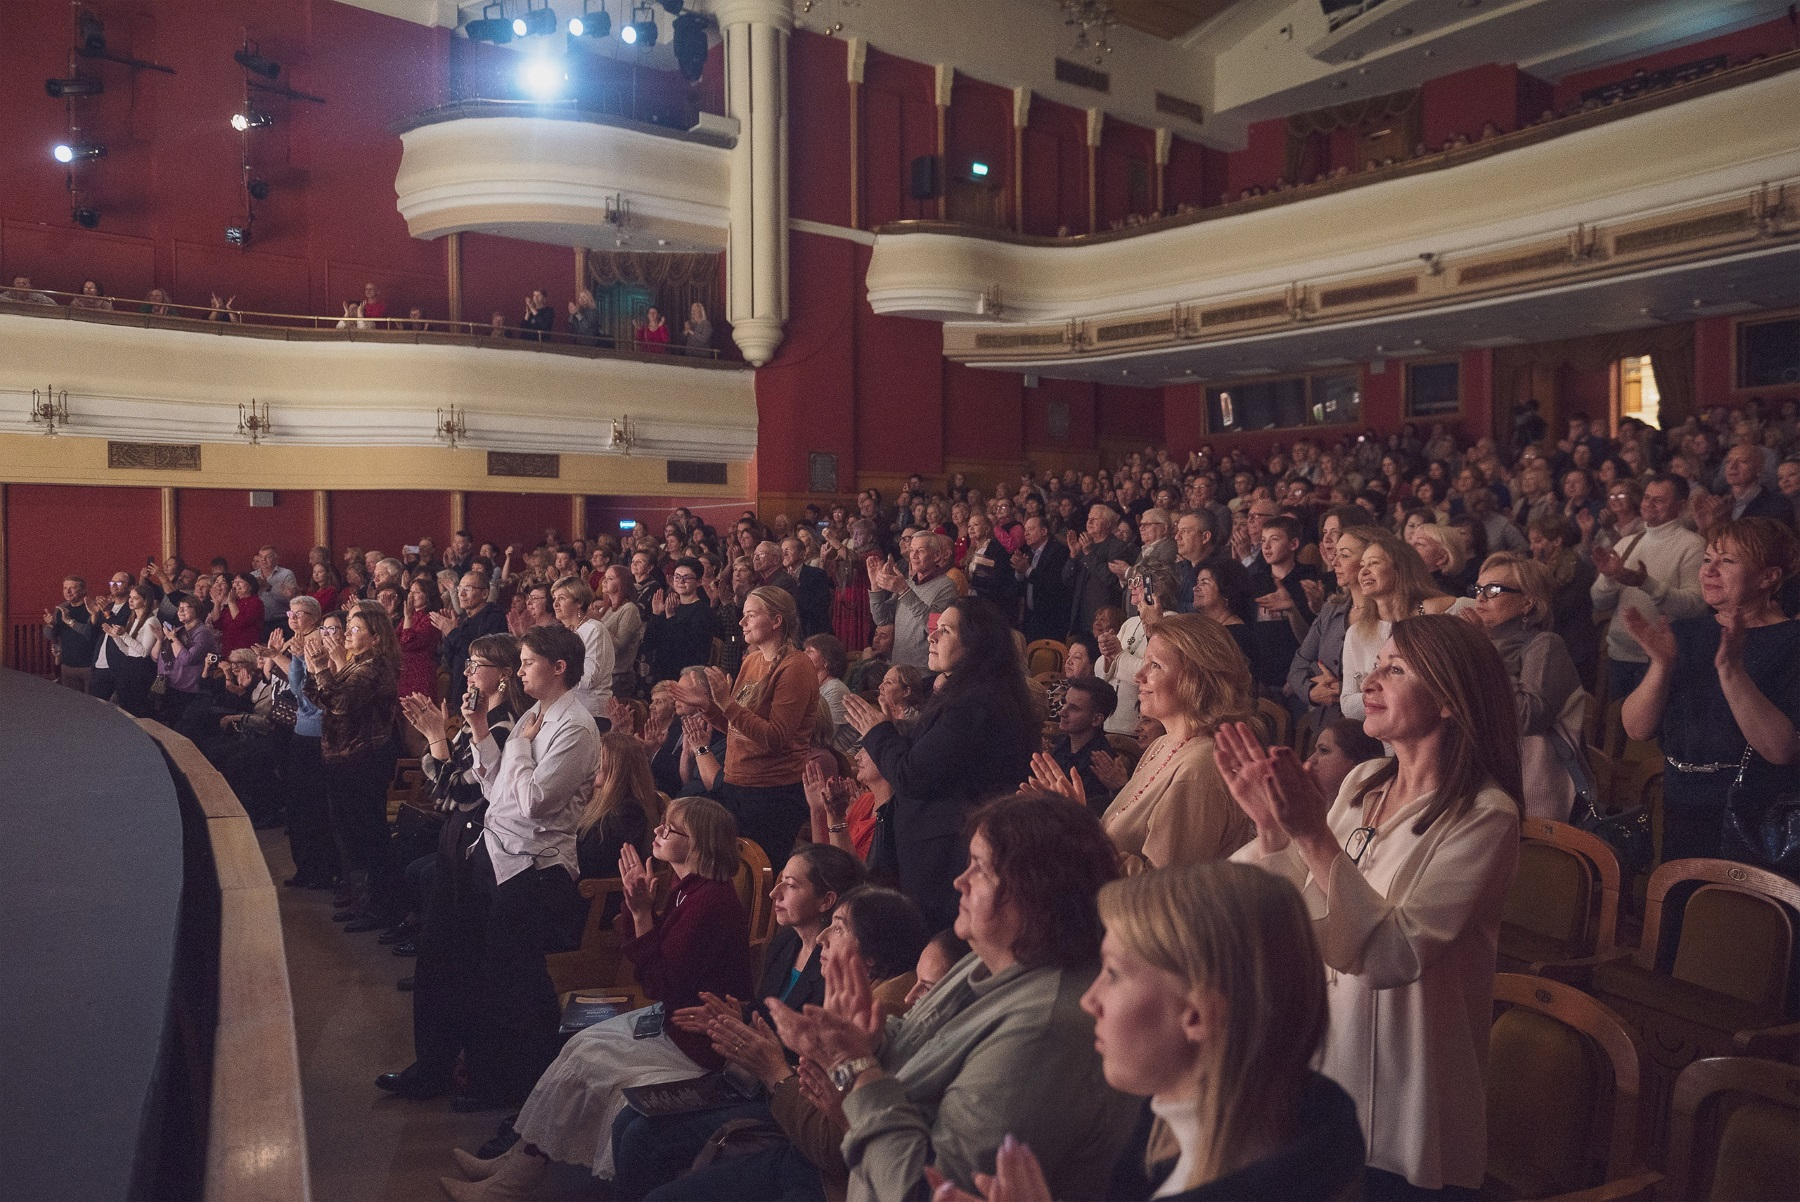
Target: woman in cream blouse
(1175,809)
(1406,874)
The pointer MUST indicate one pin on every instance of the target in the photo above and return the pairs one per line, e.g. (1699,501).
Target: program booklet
(583,1010)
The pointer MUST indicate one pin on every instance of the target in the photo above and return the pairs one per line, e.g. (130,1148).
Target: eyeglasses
(1358,843)
(1491,591)
(475,665)
(670,829)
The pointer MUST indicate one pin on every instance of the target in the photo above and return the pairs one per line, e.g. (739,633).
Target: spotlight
(92,34)
(258,189)
(689,42)
(85,217)
(237,235)
(591,24)
(256,64)
(543,78)
(77,152)
(56,89)
(251,119)
(673,7)
(537,22)
(497,30)
(642,30)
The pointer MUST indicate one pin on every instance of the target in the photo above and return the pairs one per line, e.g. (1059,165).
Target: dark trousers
(769,816)
(102,683)
(308,816)
(510,1017)
(778,1174)
(356,795)
(132,678)
(651,1152)
(1692,832)
(1379,1185)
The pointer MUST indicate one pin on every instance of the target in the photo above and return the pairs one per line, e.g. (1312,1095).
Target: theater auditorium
(874,601)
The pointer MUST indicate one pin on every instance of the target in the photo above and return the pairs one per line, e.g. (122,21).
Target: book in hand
(682,1097)
(583,1010)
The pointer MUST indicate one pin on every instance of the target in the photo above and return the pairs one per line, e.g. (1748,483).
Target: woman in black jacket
(973,740)
(988,565)
(679,631)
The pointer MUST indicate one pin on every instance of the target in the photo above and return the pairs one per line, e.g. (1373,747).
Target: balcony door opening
(1637,393)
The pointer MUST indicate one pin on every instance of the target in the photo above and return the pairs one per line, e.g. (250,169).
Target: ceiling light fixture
(79,85)
(591,24)
(1092,21)
(250,119)
(258,189)
(689,44)
(642,30)
(496,30)
(85,217)
(77,152)
(238,235)
(536,22)
(543,78)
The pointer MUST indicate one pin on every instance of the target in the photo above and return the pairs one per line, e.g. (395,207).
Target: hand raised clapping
(861,715)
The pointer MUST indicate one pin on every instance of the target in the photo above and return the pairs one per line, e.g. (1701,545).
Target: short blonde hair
(576,588)
(1213,679)
(1450,539)
(1534,580)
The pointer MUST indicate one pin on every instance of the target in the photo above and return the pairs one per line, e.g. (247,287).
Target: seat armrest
(1763,1041)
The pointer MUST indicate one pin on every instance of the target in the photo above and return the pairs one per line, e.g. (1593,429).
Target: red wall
(387,520)
(1055,169)
(979,127)
(53,530)
(1771,37)
(899,111)
(504,517)
(819,144)
(219,521)
(984,413)
(1079,397)
(1263,158)
(1463,102)
(171,181)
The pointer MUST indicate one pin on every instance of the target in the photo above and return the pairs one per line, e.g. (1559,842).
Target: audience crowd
(1096,930)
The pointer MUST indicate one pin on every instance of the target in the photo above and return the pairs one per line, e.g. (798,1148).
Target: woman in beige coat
(1406,874)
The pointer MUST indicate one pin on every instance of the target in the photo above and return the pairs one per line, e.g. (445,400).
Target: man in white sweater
(909,602)
(1654,572)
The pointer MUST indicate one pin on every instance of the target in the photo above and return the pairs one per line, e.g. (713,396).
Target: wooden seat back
(755,878)
(1780,895)
(1734,1131)
(1278,724)
(1566,887)
(1044,655)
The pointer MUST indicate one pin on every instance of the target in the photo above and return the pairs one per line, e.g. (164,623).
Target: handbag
(1763,831)
(285,711)
(1626,832)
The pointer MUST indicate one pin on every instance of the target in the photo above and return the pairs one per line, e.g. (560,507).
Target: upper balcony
(1643,188)
(566,175)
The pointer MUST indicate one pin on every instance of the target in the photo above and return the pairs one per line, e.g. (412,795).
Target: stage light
(689,42)
(978,170)
(85,217)
(92,34)
(497,30)
(543,78)
(80,85)
(251,119)
(77,152)
(536,22)
(256,64)
(237,235)
(591,24)
(642,30)
(258,189)
(674,7)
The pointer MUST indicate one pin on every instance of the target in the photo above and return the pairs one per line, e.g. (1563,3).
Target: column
(1096,125)
(6,641)
(458,512)
(857,60)
(321,518)
(756,37)
(453,275)
(1021,118)
(1165,141)
(946,84)
(168,522)
(577,516)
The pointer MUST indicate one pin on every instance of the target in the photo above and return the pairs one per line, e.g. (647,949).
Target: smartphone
(473,699)
(649,1024)
(410,550)
(149,561)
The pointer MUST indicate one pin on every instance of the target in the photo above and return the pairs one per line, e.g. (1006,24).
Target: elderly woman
(1406,874)
(1442,549)
(1514,604)
(947,1083)
(988,564)
(1152,594)
(973,738)
(570,598)
(1730,680)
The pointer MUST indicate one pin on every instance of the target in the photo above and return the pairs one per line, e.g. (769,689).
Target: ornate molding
(153,456)
(515,463)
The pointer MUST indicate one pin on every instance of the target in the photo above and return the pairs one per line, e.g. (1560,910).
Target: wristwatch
(845,1074)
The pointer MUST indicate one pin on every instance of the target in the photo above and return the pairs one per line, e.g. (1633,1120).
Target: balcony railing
(303,327)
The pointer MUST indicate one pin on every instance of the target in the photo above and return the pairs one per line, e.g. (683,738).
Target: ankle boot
(514,1180)
(476,1169)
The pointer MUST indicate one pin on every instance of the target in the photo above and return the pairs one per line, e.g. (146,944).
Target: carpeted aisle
(352,1024)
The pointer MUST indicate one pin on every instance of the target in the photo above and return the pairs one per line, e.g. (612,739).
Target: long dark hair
(989,668)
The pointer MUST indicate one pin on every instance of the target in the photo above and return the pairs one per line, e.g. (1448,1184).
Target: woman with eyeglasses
(1515,599)
(699,943)
(452,928)
(679,631)
(1406,873)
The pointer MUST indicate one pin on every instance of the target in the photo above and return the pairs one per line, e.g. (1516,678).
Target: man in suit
(1093,581)
(1743,476)
(1041,565)
(812,589)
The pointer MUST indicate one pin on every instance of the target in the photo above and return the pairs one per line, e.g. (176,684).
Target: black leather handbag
(1762,830)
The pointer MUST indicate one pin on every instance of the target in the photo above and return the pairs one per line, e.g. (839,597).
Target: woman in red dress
(653,335)
(419,640)
(238,614)
(324,587)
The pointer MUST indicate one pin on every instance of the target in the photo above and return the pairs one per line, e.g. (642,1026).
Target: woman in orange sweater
(767,717)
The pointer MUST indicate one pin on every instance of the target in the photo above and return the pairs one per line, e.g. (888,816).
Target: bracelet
(837,828)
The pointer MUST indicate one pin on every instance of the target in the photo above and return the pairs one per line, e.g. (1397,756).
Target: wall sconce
(451,428)
(50,409)
(988,304)
(618,210)
(623,436)
(253,423)
(1299,304)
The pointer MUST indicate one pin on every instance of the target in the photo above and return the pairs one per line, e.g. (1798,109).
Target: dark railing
(1590,114)
(684,126)
(165,314)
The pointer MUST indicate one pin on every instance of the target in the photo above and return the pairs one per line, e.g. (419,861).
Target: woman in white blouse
(1122,654)
(569,599)
(1395,584)
(1406,874)
(134,644)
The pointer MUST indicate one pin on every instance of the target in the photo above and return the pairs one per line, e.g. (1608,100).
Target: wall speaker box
(262,500)
(925,177)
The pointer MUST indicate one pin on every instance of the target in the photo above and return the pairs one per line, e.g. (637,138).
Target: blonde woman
(1444,554)
(1407,872)
(1211,1001)
(569,601)
(767,715)
(1514,600)
(623,809)
(1395,584)
(1175,808)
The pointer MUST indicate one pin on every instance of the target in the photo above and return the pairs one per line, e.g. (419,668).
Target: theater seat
(1735,1131)
(1045,655)
(1562,912)
(1563,1077)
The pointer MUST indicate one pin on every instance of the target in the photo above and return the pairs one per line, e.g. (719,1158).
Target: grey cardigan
(1324,642)
(978,1058)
